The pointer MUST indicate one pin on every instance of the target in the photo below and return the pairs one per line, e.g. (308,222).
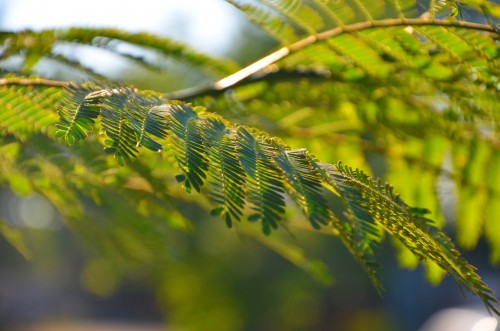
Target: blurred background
(217,280)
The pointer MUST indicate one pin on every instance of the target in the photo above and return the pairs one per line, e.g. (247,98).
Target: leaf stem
(243,74)
(33,82)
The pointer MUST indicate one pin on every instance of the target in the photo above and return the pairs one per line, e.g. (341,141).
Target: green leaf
(187,143)
(265,189)
(16,239)
(77,114)
(227,178)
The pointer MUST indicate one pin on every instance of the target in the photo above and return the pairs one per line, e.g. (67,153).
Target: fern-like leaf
(77,114)
(116,123)
(306,184)
(187,143)
(201,141)
(149,126)
(23,109)
(410,226)
(227,178)
(266,189)
(359,231)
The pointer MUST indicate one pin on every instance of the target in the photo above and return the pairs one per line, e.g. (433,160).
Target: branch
(245,73)
(33,82)
(271,75)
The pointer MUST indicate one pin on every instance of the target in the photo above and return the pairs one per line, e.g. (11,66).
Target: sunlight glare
(485,324)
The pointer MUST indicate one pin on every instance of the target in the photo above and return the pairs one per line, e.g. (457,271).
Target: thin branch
(231,80)
(266,75)
(244,74)
(33,82)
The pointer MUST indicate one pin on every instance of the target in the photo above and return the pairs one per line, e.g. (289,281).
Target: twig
(33,82)
(244,74)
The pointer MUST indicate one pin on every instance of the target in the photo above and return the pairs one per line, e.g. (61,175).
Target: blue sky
(204,24)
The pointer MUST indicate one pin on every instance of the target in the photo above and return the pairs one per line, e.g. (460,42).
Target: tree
(405,90)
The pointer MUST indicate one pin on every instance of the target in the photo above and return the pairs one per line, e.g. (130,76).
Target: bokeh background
(217,280)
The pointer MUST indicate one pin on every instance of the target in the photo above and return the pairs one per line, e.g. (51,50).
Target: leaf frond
(226,175)
(266,188)
(408,88)
(244,166)
(413,229)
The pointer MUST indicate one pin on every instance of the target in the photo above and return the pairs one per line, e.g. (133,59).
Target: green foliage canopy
(415,82)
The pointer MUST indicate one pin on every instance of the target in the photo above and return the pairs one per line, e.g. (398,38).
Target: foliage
(410,84)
